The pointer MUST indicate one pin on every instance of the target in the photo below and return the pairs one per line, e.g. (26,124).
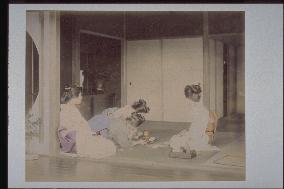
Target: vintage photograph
(135,96)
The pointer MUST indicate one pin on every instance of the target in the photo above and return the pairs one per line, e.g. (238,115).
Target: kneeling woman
(75,135)
(121,124)
(199,136)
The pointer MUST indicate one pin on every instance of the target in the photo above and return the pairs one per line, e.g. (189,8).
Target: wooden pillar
(123,65)
(51,80)
(219,78)
(206,66)
(75,52)
(41,77)
(123,73)
(212,71)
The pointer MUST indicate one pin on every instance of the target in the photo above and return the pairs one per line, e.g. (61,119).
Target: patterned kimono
(112,124)
(75,135)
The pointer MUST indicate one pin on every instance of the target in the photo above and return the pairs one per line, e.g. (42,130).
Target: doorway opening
(225,79)
(100,66)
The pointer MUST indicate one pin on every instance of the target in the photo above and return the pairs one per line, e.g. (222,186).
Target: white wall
(182,65)
(216,76)
(219,78)
(158,71)
(143,79)
(212,75)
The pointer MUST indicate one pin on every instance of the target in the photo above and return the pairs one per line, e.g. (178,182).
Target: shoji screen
(182,65)
(216,76)
(158,71)
(219,77)
(144,75)
(212,74)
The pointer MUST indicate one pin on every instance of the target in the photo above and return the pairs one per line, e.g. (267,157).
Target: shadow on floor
(232,123)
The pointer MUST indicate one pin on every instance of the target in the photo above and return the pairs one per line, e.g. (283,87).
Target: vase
(100,85)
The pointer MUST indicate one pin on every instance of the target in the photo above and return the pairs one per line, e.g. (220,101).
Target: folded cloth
(67,140)
(99,122)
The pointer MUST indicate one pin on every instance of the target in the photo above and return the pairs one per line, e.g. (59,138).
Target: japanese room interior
(150,55)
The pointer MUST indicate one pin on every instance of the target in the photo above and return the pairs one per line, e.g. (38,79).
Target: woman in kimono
(120,124)
(199,136)
(75,135)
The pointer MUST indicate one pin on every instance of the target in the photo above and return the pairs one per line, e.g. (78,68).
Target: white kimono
(87,145)
(123,112)
(194,137)
(120,130)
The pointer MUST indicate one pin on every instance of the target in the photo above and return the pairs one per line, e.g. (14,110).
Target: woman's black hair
(189,90)
(69,93)
(139,119)
(141,106)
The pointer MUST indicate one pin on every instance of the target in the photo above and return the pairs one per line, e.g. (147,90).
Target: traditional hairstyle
(190,90)
(138,118)
(140,106)
(69,93)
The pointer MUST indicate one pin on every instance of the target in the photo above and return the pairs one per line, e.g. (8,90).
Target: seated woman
(199,136)
(75,135)
(125,112)
(120,124)
(124,132)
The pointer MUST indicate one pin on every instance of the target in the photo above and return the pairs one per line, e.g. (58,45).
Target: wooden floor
(144,163)
(73,170)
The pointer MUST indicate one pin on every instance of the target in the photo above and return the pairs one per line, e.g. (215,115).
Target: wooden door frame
(225,79)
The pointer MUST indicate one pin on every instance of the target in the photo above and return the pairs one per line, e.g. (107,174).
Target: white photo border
(263,94)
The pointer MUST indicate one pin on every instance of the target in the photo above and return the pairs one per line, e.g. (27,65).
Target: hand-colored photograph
(135,96)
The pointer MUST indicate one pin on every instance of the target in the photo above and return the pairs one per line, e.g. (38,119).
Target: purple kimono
(100,123)
(67,140)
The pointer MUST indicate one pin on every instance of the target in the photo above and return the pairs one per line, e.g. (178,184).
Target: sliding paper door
(219,78)
(216,76)
(212,75)
(159,70)
(182,65)
(144,75)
